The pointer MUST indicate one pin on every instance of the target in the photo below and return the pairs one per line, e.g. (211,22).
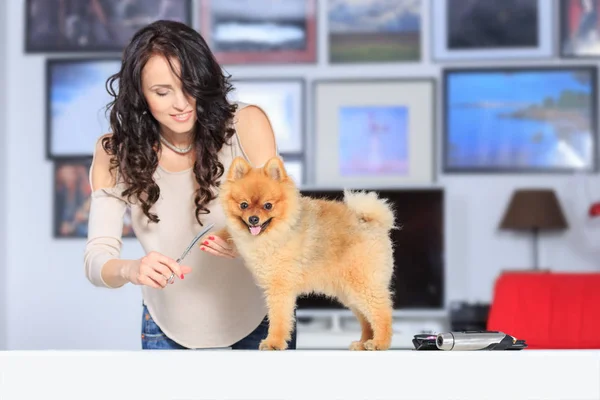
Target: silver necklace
(175,148)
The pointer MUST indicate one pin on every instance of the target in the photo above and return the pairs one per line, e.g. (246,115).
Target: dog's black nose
(253,220)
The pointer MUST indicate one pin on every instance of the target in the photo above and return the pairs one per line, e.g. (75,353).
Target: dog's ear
(238,169)
(275,169)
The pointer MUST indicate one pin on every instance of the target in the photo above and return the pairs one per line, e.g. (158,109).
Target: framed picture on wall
(579,28)
(76,100)
(484,29)
(530,119)
(94,25)
(72,195)
(283,102)
(260,31)
(374,132)
(374,31)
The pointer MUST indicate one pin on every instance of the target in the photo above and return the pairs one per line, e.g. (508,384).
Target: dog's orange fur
(340,249)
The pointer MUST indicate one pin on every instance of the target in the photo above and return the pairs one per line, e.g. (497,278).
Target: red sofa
(548,310)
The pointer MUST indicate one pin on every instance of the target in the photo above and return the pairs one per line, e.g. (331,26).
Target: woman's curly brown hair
(135,139)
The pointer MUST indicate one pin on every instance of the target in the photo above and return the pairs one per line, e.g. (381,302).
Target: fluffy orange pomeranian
(296,245)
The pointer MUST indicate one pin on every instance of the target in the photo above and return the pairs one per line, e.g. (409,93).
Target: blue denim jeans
(153,338)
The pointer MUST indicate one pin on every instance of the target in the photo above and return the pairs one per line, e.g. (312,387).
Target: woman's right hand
(154,270)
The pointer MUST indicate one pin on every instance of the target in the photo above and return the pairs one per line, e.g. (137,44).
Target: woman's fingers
(172,264)
(155,270)
(149,281)
(212,243)
(210,249)
(160,275)
(222,247)
(185,269)
(217,245)
(164,270)
(222,244)
(155,274)
(154,259)
(160,278)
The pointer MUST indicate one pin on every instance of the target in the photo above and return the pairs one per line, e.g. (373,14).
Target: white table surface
(300,374)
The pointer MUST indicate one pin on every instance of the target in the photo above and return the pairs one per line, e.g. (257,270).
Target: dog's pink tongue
(255,230)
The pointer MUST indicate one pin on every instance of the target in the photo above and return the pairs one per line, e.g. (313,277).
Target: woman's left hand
(217,246)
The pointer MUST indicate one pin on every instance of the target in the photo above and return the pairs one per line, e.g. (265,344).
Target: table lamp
(534,210)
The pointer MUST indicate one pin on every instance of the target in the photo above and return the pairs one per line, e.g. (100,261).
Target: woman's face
(170,106)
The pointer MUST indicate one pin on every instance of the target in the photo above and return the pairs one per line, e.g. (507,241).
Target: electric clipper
(468,341)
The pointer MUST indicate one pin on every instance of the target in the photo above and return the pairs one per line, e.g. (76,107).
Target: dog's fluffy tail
(371,209)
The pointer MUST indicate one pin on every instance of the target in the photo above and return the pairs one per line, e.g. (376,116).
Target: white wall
(52,306)
(3,210)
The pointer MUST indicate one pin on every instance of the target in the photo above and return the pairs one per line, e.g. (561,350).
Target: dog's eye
(244,205)
(268,206)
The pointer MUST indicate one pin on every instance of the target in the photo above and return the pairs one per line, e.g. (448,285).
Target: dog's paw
(271,344)
(357,345)
(376,345)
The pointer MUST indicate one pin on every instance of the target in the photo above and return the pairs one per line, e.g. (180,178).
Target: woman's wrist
(124,270)
(116,273)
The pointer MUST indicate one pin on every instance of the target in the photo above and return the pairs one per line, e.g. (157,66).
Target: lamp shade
(534,209)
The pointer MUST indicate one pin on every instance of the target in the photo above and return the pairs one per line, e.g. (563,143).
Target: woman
(174,135)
